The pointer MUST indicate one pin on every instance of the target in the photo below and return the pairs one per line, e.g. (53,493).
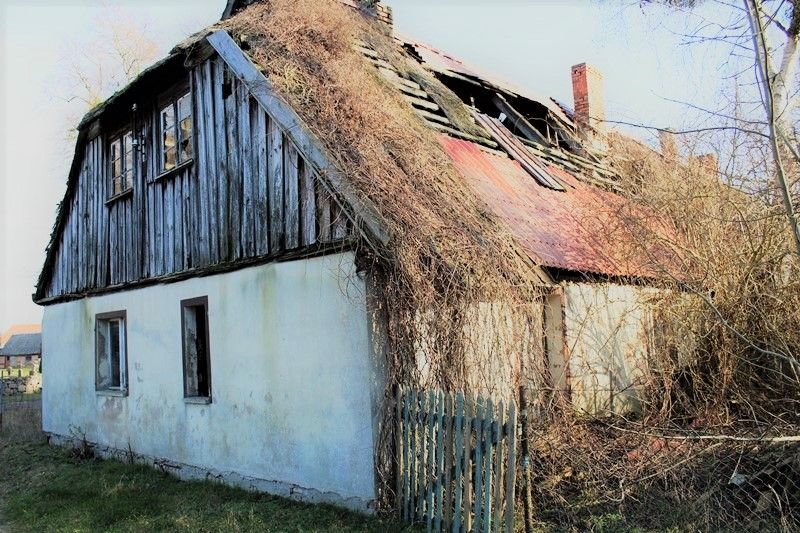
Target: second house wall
(608,335)
(293,377)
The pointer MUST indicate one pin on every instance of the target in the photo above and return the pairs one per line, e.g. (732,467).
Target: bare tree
(104,62)
(777,95)
(764,36)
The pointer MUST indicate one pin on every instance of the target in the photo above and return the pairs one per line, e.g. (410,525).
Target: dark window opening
(110,350)
(196,352)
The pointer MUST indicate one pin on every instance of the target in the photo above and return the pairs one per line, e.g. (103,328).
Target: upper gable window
(122,163)
(176,132)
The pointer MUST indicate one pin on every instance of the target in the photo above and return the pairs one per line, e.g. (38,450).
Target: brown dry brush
(738,295)
(449,263)
(722,363)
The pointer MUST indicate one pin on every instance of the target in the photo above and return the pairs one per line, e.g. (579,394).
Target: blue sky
(532,43)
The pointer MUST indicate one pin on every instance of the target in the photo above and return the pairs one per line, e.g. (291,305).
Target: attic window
(176,132)
(121,163)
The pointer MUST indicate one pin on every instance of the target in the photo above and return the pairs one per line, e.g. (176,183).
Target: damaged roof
(562,214)
(582,228)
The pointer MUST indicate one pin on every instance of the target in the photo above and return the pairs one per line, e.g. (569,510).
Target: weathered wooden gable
(248,195)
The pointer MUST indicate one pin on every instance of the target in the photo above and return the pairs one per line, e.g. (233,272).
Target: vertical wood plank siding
(247,193)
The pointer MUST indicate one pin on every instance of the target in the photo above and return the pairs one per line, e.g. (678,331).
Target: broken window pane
(103,365)
(117,173)
(196,370)
(115,149)
(168,141)
(186,139)
(184,107)
(128,146)
(110,352)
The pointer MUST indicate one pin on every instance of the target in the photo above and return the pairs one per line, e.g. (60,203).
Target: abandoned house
(205,306)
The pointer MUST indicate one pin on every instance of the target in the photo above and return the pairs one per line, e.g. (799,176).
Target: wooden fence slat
(458,461)
(447,515)
(437,496)
(511,468)
(498,470)
(422,465)
(478,480)
(433,408)
(406,458)
(487,467)
(412,491)
(399,464)
(404,445)
(408,453)
(468,459)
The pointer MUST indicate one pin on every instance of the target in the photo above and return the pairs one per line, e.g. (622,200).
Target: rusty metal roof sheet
(580,229)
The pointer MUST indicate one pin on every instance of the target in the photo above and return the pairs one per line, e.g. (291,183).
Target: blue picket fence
(456,461)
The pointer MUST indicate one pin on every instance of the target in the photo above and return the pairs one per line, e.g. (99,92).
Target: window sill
(171,172)
(122,393)
(120,196)
(197,400)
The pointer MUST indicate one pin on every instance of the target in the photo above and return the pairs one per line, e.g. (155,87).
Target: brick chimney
(587,93)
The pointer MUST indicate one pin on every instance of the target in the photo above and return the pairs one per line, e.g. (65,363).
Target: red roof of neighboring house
(583,228)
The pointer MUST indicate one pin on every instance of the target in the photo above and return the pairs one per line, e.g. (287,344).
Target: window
(110,350)
(122,163)
(176,132)
(196,360)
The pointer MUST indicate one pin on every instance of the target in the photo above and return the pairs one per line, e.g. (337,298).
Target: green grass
(17,398)
(45,488)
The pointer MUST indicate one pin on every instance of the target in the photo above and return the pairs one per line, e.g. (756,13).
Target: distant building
(21,345)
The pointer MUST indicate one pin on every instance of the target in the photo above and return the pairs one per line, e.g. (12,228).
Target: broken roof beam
(517,151)
(521,124)
(461,135)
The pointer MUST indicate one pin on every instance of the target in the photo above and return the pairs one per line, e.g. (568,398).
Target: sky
(646,66)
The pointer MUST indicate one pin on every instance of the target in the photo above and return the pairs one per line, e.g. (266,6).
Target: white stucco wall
(608,332)
(294,379)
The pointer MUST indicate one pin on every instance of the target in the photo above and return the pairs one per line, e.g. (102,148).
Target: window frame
(200,301)
(100,318)
(120,135)
(170,98)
